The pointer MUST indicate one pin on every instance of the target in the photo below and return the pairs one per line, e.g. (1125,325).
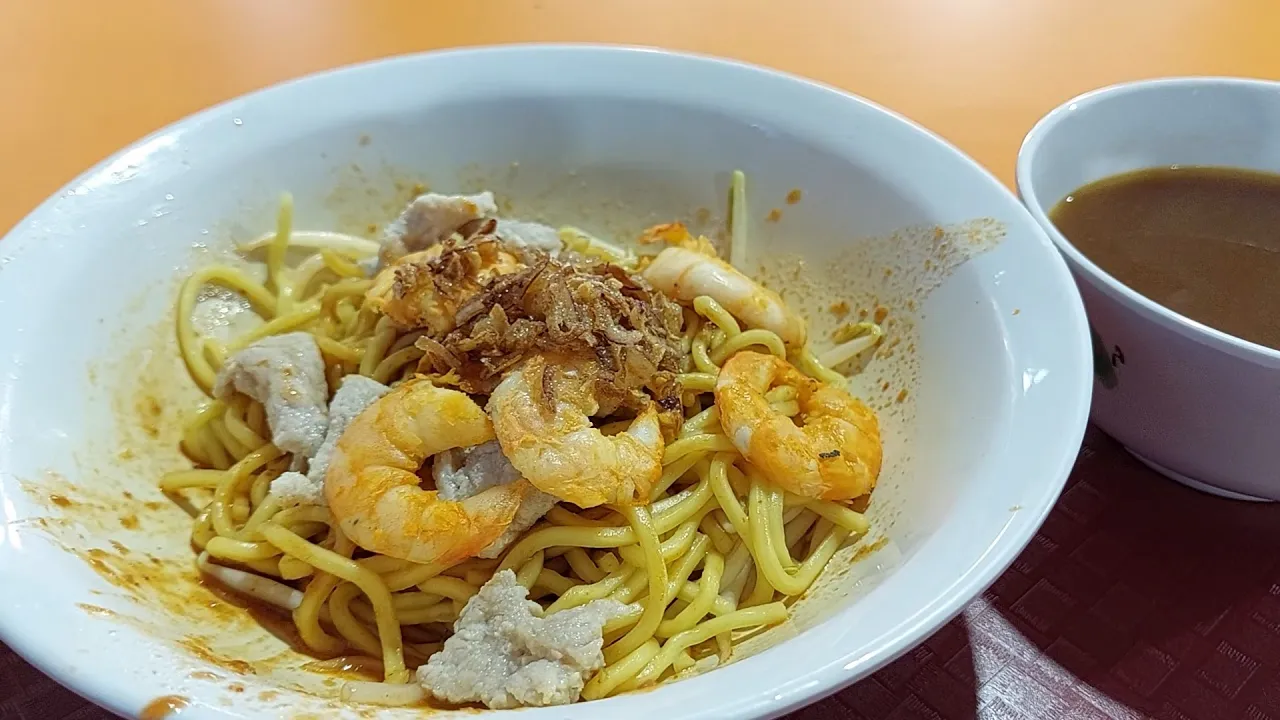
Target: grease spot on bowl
(96,610)
(919,259)
(163,707)
(197,647)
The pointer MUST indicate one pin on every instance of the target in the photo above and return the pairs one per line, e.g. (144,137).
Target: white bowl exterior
(1001,400)
(1187,397)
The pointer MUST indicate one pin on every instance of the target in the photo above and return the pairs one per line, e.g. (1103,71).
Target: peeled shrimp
(414,292)
(685,274)
(557,448)
(372,483)
(833,454)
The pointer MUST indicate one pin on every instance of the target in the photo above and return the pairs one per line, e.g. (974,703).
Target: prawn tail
(485,516)
(640,458)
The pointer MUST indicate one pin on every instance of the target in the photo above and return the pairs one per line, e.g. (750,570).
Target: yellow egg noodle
(717,555)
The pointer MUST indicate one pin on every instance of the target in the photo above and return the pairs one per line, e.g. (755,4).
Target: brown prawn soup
(1201,241)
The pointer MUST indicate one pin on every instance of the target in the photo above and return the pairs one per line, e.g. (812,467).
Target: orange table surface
(79,79)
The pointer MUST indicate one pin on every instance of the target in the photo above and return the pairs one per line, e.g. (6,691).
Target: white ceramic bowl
(985,383)
(1194,403)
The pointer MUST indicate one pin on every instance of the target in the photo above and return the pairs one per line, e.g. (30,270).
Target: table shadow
(935,681)
(1138,598)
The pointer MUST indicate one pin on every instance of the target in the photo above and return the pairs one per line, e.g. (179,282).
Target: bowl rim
(1108,283)
(827,673)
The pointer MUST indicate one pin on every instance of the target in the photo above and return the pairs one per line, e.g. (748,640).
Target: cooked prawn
(835,451)
(372,483)
(426,288)
(542,418)
(685,274)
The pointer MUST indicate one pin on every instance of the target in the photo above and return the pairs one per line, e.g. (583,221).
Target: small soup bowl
(1194,403)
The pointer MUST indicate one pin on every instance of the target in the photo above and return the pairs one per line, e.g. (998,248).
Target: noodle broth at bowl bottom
(106,400)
